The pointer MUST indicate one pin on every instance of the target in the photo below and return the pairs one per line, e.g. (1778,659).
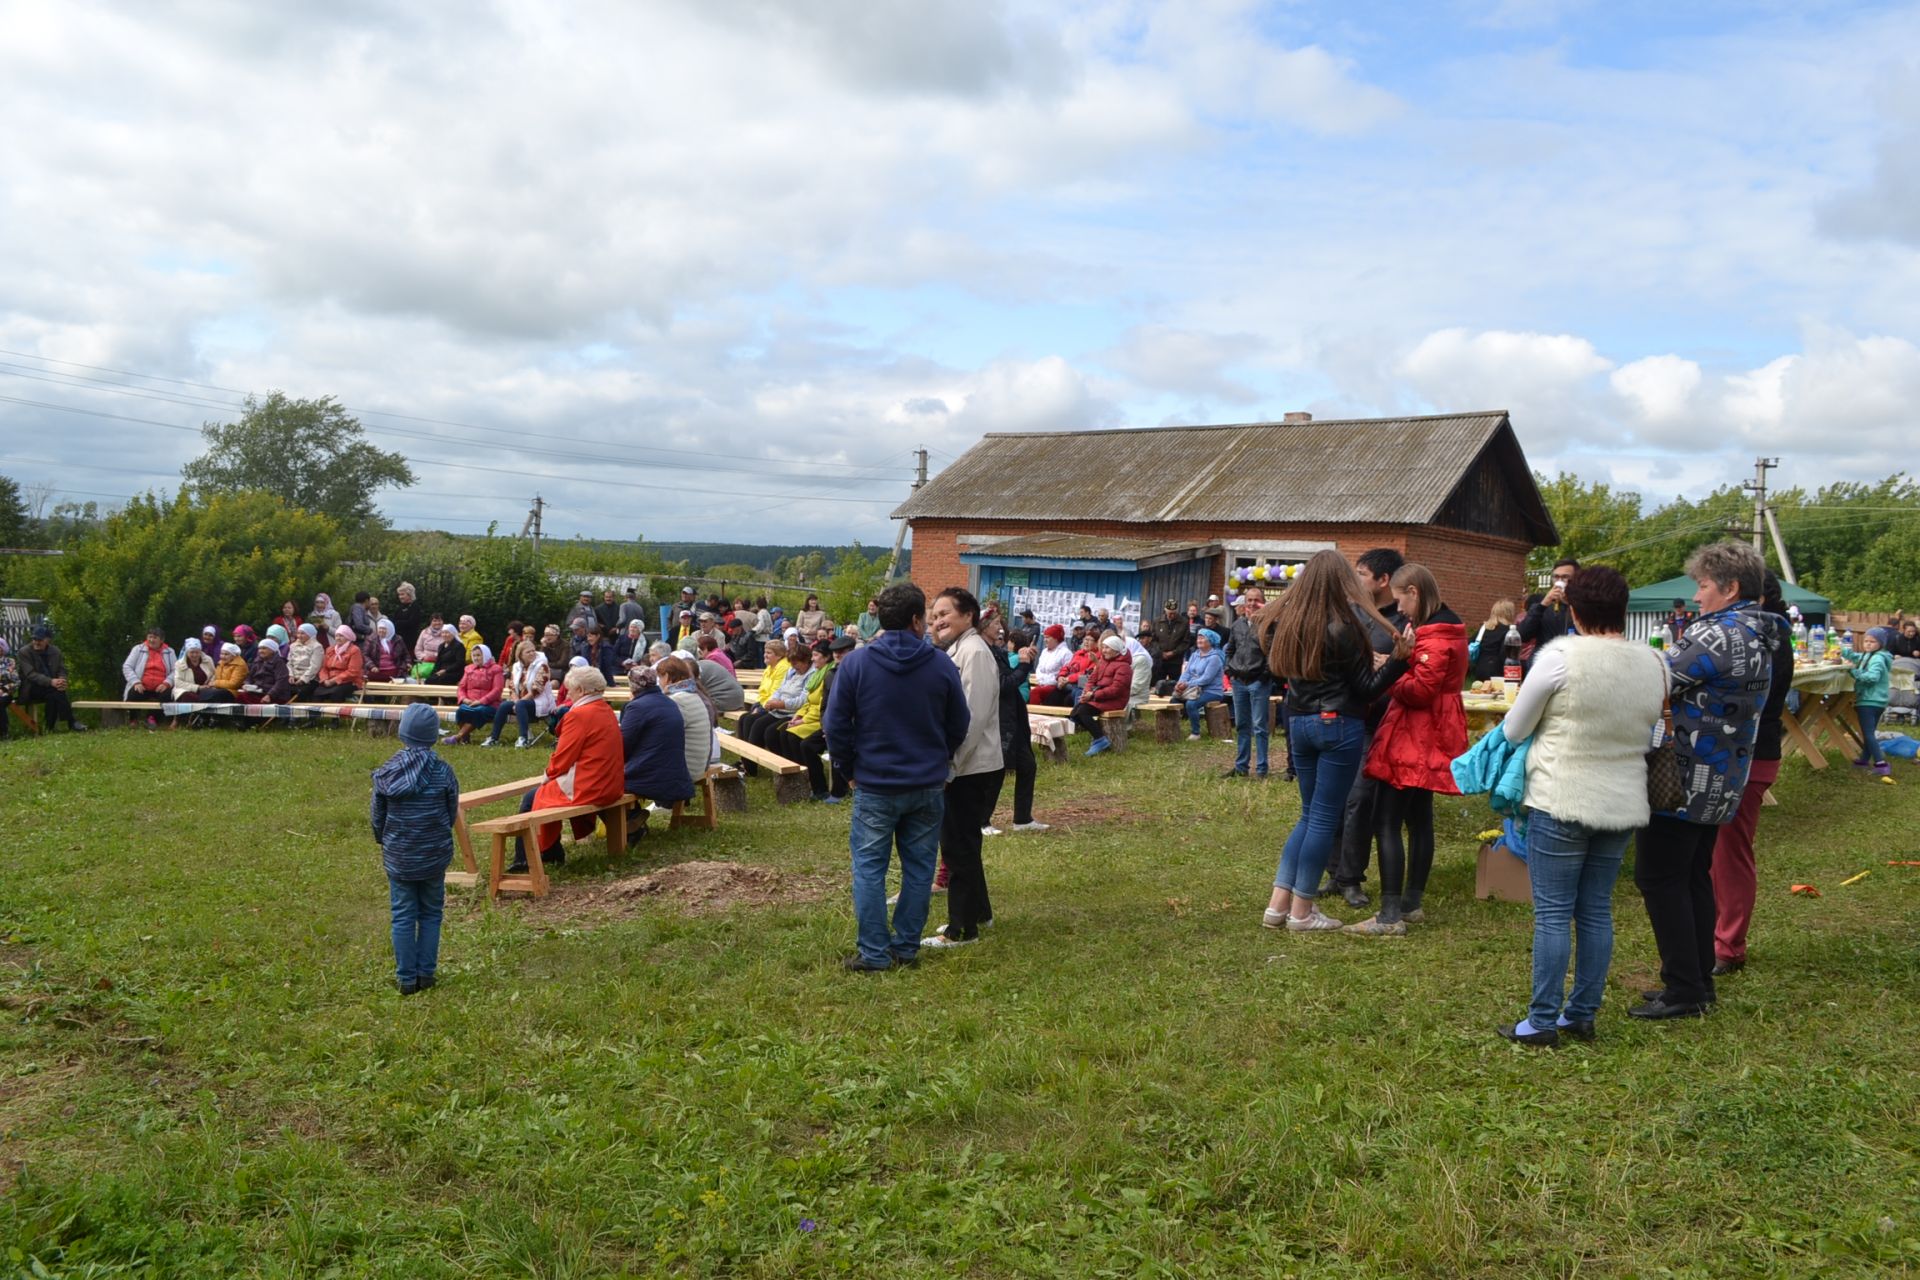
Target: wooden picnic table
(1825,719)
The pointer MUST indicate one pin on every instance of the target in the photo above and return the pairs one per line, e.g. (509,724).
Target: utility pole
(531,529)
(900,534)
(1764,522)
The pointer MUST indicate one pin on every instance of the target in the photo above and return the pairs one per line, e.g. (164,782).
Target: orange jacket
(343,666)
(589,764)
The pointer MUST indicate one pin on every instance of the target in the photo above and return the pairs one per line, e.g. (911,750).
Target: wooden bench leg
(463,845)
(497,867)
(616,820)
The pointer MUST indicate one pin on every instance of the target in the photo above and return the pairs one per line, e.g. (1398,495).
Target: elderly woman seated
(342,669)
(682,684)
(588,767)
(383,655)
(480,688)
(1201,679)
(450,662)
(426,648)
(304,657)
(267,675)
(631,647)
(653,734)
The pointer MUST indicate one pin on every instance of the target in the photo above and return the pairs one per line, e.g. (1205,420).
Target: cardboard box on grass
(1501,876)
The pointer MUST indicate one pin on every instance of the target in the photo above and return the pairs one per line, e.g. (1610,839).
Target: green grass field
(205,1070)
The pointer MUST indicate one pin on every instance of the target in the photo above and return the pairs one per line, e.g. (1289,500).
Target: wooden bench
(790,780)
(523,824)
(24,717)
(720,787)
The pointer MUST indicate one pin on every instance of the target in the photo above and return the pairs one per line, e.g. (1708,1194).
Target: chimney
(1298,417)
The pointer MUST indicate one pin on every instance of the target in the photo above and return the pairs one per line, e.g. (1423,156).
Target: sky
(713,269)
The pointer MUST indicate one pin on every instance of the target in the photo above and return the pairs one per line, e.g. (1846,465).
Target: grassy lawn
(205,1070)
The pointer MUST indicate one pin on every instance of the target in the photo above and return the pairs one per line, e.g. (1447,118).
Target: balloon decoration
(1244,576)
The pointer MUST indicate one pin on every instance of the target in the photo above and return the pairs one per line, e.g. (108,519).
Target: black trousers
(969,807)
(1018,756)
(1088,718)
(1354,839)
(1673,867)
(1405,860)
(59,705)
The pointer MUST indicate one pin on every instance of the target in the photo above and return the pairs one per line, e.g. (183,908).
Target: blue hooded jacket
(415,801)
(897,715)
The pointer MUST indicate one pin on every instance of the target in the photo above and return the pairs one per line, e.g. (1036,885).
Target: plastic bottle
(1657,641)
(1817,642)
(1510,663)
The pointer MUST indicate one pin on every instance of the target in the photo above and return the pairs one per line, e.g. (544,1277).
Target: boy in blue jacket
(415,801)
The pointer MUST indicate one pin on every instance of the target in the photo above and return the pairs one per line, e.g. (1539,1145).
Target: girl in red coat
(1424,728)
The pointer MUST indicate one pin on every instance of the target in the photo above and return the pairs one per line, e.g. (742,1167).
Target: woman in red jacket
(1424,728)
(1107,684)
(480,687)
(588,766)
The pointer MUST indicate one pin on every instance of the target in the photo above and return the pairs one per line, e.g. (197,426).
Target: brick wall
(1473,570)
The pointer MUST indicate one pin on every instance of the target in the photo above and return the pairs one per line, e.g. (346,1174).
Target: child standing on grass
(1872,685)
(415,801)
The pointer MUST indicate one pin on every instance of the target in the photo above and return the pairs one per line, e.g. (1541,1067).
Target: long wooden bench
(523,824)
(790,780)
(115,715)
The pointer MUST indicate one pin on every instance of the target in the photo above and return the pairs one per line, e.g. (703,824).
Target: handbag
(1666,779)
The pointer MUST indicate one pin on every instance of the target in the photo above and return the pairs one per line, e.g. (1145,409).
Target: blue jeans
(1327,756)
(1250,703)
(1572,869)
(416,908)
(1871,751)
(912,818)
(1197,709)
(523,709)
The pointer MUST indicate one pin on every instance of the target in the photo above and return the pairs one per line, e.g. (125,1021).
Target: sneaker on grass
(1033,827)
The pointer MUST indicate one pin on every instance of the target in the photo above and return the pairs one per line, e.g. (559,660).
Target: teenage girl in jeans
(1315,642)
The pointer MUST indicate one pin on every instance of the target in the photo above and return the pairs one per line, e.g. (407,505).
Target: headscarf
(322,602)
(229,650)
(209,632)
(790,634)
(1213,637)
(1055,632)
(245,634)
(270,644)
(343,636)
(278,634)
(642,678)
(191,646)
(385,627)
(482,655)
(1114,645)
(576,661)
(308,630)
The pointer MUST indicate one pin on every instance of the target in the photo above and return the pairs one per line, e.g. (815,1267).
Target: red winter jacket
(1109,684)
(1425,726)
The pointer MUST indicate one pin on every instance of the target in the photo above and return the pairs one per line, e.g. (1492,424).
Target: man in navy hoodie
(894,723)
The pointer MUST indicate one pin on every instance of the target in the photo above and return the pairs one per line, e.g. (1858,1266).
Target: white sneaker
(1193,737)
(989,831)
(490,741)
(942,941)
(1318,922)
(521,744)
(1035,827)
(1271,919)
(984,924)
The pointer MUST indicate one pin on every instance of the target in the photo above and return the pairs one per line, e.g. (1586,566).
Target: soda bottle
(1510,663)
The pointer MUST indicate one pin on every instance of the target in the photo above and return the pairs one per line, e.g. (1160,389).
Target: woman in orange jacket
(588,766)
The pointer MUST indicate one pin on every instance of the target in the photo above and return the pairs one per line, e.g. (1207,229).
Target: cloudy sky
(713,268)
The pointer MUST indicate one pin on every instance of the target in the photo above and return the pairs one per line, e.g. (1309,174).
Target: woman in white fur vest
(1589,703)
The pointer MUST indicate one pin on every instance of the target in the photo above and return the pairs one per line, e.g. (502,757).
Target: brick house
(1149,514)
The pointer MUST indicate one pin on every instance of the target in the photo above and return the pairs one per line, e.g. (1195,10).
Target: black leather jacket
(1349,682)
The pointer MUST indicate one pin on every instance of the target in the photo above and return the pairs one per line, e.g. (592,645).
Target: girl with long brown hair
(1315,641)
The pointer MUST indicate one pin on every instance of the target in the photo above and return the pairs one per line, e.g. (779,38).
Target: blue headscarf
(1213,637)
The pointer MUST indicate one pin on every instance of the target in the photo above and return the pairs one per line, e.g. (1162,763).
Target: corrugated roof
(1355,470)
(1082,546)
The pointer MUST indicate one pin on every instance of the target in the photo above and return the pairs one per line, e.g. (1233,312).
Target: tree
(1591,518)
(504,580)
(854,581)
(312,454)
(16,526)
(180,565)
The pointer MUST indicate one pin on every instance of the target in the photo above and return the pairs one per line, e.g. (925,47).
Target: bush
(504,581)
(180,565)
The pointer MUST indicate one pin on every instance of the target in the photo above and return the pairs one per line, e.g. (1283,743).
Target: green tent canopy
(1659,597)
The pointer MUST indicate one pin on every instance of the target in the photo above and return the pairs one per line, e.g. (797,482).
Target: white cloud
(1659,388)
(1546,380)
(1169,359)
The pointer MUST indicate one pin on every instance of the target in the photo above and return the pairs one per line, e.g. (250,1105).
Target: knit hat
(1114,644)
(1055,632)
(419,725)
(1883,634)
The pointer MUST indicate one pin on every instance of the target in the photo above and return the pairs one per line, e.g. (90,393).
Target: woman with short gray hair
(1722,669)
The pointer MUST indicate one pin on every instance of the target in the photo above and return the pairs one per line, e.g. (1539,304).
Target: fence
(17,619)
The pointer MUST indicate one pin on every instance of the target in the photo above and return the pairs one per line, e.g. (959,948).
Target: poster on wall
(1063,607)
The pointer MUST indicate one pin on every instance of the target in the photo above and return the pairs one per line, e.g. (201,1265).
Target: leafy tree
(1591,518)
(312,454)
(179,564)
(16,526)
(854,581)
(505,580)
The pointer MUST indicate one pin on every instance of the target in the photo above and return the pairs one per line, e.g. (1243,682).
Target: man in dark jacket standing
(1252,694)
(43,678)
(1171,638)
(897,718)
(1551,618)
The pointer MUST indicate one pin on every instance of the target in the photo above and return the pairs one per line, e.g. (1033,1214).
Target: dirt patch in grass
(1078,812)
(694,888)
